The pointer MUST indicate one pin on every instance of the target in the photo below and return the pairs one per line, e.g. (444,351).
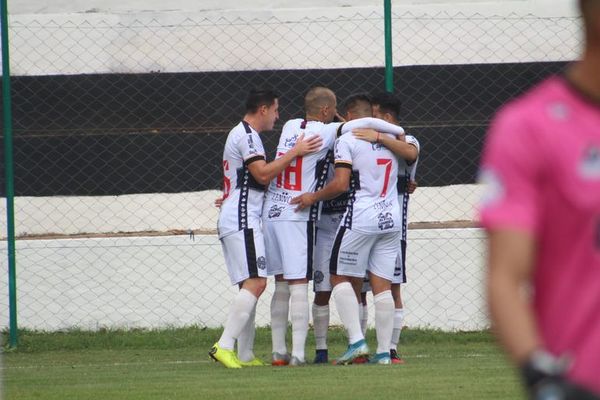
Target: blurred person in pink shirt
(541,211)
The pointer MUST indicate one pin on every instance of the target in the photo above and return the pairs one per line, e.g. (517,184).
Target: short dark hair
(388,103)
(260,97)
(353,101)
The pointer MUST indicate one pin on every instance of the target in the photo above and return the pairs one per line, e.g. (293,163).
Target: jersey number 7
(387,163)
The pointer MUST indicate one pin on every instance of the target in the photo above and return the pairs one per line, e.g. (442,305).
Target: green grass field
(173,364)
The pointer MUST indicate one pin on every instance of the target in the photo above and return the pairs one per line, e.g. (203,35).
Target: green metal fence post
(389,68)
(9,174)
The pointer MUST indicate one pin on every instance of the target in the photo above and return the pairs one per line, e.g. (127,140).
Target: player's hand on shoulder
(303,201)
(366,134)
(307,145)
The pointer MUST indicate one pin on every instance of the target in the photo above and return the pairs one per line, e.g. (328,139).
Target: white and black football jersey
(243,195)
(304,174)
(333,210)
(373,195)
(406,173)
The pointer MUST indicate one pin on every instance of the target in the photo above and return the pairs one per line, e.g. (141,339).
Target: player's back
(243,195)
(304,174)
(373,199)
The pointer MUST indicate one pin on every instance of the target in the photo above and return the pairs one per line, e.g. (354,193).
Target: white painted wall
(185,36)
(176,281)
(163,212)
(541,7)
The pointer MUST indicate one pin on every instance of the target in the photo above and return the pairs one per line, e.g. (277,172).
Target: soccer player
(332,211)
(290,235)
(387,107)
(369,235)
(357,110)
(245,175)
(541,211)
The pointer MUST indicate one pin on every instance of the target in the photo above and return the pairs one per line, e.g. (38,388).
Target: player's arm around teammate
(386,106)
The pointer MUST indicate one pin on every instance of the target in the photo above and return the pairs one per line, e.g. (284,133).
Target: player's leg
(381,272)
(297,269)
(244,256)
(399,278)
(322,289)
(280,302)
(299,315)
(245,344)
(347,268)
(363,305)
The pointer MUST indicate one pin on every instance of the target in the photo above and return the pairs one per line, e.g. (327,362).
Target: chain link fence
(119,131)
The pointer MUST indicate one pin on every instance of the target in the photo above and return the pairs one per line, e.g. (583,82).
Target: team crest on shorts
(385,221)
(318,278)
(261,262)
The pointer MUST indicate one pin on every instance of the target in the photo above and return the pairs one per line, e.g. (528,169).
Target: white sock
(384,320)
(280,305)
(240,312)
(364,318)
(321,325)
(398,322)
(245,342)
(346,304)
(299,317)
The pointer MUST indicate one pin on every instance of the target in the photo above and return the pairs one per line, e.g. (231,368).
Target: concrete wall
(123,37)
(176,281)
(163,212)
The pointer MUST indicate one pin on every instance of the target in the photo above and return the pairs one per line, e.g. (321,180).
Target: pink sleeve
(511,170)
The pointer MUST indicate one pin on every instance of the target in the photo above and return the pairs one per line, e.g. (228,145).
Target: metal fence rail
(119,131)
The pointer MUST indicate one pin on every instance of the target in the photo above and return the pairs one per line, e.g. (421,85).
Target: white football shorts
(323,247)
(244,253)
(290,247)
(400,270)
(354,253)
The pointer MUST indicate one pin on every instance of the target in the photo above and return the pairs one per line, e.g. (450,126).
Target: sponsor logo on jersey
(558,111)
(284,197)
(493,187)
(251,145)
(385,221)
(377,146)
(261,262)
(290,142)
(589,166)
(318,277)
(275,211)
(382,205)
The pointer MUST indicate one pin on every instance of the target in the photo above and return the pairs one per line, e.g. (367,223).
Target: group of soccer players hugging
(331,207)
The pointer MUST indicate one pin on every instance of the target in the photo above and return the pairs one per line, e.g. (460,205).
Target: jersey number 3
(291,177)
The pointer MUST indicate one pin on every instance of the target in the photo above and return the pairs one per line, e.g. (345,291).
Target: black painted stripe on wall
(147,133)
